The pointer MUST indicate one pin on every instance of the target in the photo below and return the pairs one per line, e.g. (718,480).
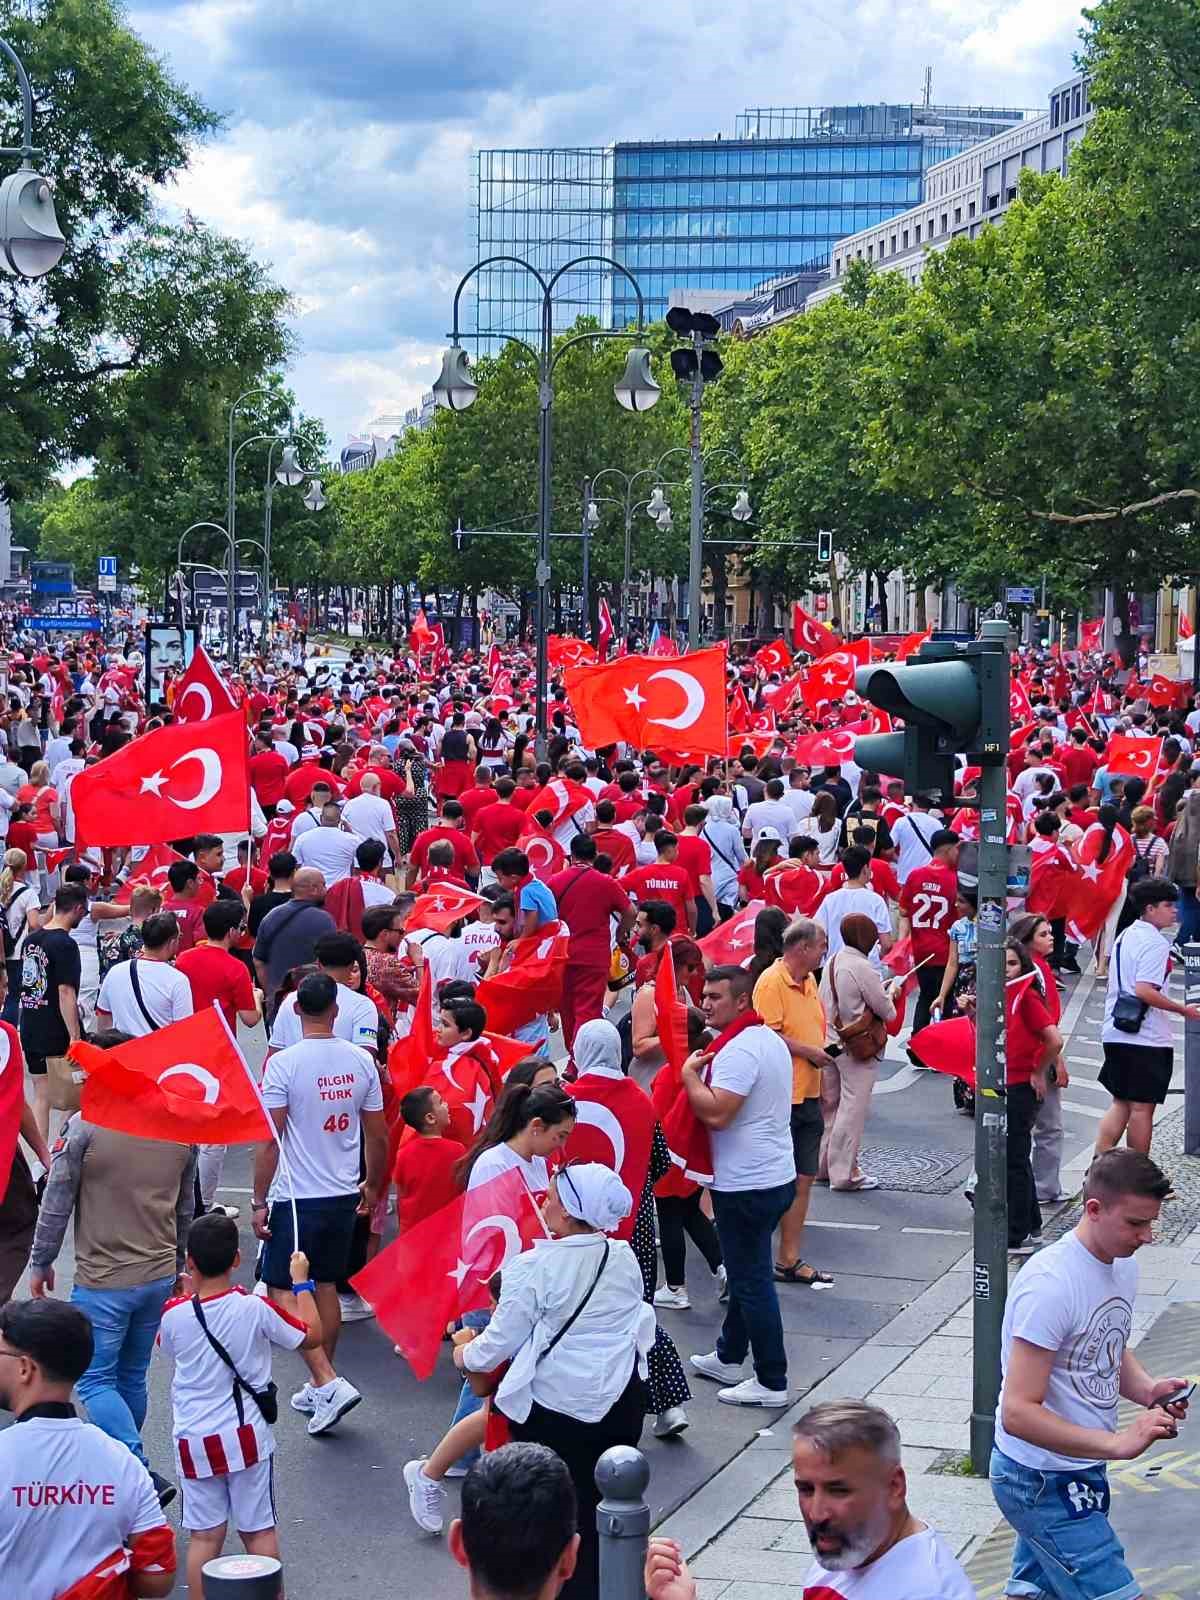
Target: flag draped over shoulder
(532,983)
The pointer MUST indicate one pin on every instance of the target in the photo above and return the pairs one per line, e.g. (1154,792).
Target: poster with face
(167,647)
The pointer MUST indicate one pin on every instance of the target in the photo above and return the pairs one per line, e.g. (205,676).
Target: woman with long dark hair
(769,927)
(1036,935)
(1033,1042)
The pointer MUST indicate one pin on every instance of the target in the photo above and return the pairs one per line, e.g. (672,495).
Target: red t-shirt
(390,784)
(591,898)
(752,881)
(662,881)
(474,800)
(1027,1019)
(627,806)
(465,859)
(617,847)
(523,798)
(214,974)
(268,774)
(1051,998)
(1079,762)
(927,900)
(424,1177)
(795,889)
(236,880)
(190,915)
(497,827)
(22,836)
(298,784)
(694,855)
(883,879)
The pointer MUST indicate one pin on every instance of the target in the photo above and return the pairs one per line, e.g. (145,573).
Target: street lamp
(741,510)
(636,390)
(289,471)
(315,499)
(665,520)
(31,241)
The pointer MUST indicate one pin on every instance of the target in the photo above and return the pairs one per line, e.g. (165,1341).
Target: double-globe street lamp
(636,391)
(31,241)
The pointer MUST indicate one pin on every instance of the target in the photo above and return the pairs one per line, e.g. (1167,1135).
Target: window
(945,223)
(1011,194)
(904,238)
(1055,117)
(957,215)
(1077,102)
(892,246)
(993,201)
(837,266)
(916,233)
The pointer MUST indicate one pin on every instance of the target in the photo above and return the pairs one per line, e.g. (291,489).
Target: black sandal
(802,1272)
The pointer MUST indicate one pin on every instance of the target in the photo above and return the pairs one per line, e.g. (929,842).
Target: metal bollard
(242,1577)
(622,1522)
(1191,1053)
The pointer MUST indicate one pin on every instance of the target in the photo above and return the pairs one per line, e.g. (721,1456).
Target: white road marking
(1085,1111)
(943,1233)
(858,1227)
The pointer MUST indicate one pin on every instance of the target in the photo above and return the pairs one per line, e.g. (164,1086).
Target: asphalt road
(344,1520)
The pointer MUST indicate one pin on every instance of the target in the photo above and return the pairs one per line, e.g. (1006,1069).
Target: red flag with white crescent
(1138,758)
(531,984)
(614,1126)
(1185,625)
(152,871)
(542,850)
(563,650)
(912,644)
(827,749)
(637,699)
(605,630)
(493,661)
(1091,635)
(810,635)
(1098,882)
(201,692)
(732,942)
(774,657)
(442,907)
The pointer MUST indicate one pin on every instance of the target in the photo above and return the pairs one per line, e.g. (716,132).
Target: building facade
(709,215)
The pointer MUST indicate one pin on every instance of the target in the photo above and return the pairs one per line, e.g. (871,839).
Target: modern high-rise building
(713,216)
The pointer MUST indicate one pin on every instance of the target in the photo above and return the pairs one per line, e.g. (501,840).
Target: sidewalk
(743,1534)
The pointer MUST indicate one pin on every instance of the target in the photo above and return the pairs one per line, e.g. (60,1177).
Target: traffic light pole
(696,521)
(991,1203)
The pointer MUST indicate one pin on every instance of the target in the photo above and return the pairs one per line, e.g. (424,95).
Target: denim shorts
(1066,1548)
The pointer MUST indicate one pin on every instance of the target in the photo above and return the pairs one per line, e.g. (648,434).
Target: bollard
(242,1578)
(1191,1052)
(622,1522)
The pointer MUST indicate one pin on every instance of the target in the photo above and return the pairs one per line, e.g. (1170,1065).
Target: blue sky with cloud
(345,160)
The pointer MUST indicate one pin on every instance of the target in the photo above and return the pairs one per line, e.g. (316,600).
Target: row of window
(1071,104)
(745,253)
(656,280)
(752,224)
(823,191)
(934,226)
(730,160)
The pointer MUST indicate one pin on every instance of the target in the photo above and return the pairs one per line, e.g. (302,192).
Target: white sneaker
(333,1405)
(354,1308)
(426,1498)
(669,1424)
(751,1393)
(711,1366)
(305,1400)
(233,1212)
(722,1283)
(673,1299)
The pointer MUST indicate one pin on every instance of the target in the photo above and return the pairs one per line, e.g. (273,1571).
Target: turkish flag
(442,907)
(1163,691)
(408,1059)
(152,870)
(739,710)
(947,1047)
(567,651)
(1185,625)
(615,1126)
(829,679)
(774,657)
(687,1138)
(169,784)
(1098,883)
(860,649)
(810,635)
(1138,758)
(912,644)
(790,690)
(543,851)
(1020,708)
(662,644)
(421,636)
(875,721)
(187,1083)
(564,798)
(201,692)
(493,661)
(664,708)
(1091,635)
(531,983)
(1053,882)
(732,942)
(438,1271)
(12,1099)
(464,1080)
(605,630)
(827,749)
(763,722)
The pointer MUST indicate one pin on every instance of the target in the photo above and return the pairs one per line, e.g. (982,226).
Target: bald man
(370,816)
(288,935)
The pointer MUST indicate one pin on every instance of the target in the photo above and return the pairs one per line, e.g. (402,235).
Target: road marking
(1085,1111)
(858,1227)
(898,1080)
(942,1233)
(1078,1082)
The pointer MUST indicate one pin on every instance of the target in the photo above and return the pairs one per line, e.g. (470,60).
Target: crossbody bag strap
(837,1010)
(239,1383)
(579,1309)
(714,845)
(574,881)
(137,995)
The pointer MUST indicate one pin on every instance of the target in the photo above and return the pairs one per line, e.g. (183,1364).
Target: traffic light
(462,539)
(953,699)
(824,547)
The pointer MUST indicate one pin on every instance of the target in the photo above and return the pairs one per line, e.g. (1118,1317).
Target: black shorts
(807,1127)
(36,1065)
(326,1233)
(1140,1073)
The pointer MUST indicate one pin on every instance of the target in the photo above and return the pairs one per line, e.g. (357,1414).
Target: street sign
(1019,597)
(107,583)
(106,566)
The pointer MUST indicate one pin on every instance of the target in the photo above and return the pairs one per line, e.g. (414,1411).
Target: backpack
(1140,867)
(11,939)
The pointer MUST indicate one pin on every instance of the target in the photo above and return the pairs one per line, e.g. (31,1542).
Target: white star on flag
(635,698)
(1091,872)
(437,905)
(153,784)
(477,1107)
(459,1272)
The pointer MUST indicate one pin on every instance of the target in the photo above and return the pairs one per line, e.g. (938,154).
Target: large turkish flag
(1126,753)
(811,636)
(680,706)
(178,781)
(201,693)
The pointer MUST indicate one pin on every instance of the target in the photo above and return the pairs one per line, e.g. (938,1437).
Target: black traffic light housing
(462,539)
(824,547)
(953,699)
(701,327)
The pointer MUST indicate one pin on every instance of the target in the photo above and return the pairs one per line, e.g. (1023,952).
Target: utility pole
(696,366)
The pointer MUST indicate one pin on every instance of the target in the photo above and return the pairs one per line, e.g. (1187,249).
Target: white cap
(768,833)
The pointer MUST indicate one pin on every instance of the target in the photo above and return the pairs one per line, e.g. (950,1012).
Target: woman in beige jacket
(846,1086)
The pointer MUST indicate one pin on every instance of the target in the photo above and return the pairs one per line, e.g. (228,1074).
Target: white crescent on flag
(507,1228)
(210,1084)
(205,699)
(694,698)
(211,764)
(602,1119)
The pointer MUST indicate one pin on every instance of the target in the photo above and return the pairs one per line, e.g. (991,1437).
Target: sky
(345,157)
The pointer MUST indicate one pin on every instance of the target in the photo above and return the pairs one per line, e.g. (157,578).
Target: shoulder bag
(579,1309)
(137,995)
(1128,1011)
(863,1039)
(267,1400)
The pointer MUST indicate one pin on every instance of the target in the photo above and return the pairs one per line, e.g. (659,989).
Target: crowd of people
(707,956)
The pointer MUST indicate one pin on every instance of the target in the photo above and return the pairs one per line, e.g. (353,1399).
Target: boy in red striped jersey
(224,1446)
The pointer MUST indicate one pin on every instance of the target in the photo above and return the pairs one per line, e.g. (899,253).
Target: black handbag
(1128,1011)
(267,1400)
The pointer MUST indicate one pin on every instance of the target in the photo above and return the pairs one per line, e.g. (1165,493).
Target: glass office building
(716,216)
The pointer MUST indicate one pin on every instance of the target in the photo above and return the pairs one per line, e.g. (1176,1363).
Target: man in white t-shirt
(74,1503)
(371,817)
(357,1017)
(319,1093)
(1067,1363)
(747,1108)
(771,812)
(146,993)
(855,897)
(330,847)
(798,797)
(911,834)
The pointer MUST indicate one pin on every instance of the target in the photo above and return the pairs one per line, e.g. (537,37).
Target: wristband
(260,1205)
(299,1288)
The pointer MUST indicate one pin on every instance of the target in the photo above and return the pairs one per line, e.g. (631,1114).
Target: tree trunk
(1125,642)
(921,620)
(882,599)
(719,568)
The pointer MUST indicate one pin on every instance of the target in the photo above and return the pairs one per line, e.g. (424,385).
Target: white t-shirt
(775,814)
(329,849)
(202,1387)
(479,939)
(755,1150)
(921,1567)
(375,893)
(851,901)
(799,802)
(1068,1301)
(911,836)
(448,958)
(166,992)
(500,1158)
(44,1549)
(325,1084)
(357,1021)
(371,817)
(1144,956)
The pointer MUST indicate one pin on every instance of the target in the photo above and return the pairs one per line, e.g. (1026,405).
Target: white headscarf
(719,807)
(597,1044)
(593,1193)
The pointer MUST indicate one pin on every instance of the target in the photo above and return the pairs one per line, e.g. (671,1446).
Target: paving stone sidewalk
(743,1534)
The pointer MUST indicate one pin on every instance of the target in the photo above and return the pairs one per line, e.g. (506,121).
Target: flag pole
(270,1121)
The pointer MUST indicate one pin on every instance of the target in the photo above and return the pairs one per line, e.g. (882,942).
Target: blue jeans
(124,1326)
(468,1401)
(746,1220)
(1066,1548)
(1189,914)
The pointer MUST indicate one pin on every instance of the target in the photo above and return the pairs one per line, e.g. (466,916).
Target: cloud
(346,158)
